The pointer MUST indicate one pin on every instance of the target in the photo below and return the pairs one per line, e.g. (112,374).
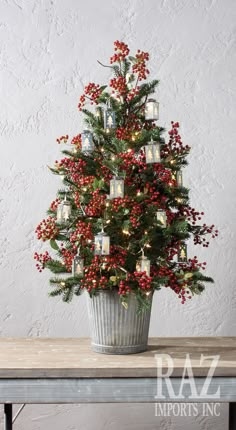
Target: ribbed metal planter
(114,329)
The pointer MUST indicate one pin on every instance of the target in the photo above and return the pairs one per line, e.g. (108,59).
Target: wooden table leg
(8,417)
(232,416)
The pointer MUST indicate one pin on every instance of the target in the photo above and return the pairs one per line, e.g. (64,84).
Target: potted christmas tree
(120,224)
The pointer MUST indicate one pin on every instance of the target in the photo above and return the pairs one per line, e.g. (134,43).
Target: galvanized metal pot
(115,329)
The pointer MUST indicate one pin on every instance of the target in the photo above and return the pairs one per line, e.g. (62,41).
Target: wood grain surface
(73,357)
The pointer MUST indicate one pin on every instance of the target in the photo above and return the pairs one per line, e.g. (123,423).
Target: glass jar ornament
(109,119)
(98,112)
(143,264)
(102,244)
(63,211)
(151,110)
(182,253)
(87,141)
(153,152)
(78,265)
(116,187)
(162,218)
(179,178)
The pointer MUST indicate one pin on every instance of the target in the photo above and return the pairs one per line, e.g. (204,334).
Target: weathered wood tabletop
(34,370)
(73,357)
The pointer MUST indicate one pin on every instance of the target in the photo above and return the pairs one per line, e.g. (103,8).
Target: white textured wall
(48,51)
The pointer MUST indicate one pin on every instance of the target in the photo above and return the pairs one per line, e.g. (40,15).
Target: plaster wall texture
(48,52)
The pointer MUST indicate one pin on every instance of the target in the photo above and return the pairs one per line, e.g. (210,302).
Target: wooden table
(67,371)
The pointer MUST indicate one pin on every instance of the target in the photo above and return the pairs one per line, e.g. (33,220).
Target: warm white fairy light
(125,231)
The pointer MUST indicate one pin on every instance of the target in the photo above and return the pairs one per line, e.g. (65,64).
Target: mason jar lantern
(143,265)
(63,211)
(98,112)
(151,110)
(152,152)
(182,253)
(109,119)
(179,178)
(78,265)
(116,187)
(87,141)
(162,218)
(102,244)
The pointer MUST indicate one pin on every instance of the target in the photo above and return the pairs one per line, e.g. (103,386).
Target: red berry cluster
(71,166)
(82,234)
(47,229)
(203,230)
(131,128)
(193,265)
(119,85)
(93,92)
(172,249)
(120,203)
(68,256)
(163,174)
(136,211)
(191,214)
(116,258)
(132,93)
(175,146)
(129,161)
(96,205)
(77,141)
(42,260)
(143,281)
(105,173)
(54,205)
(124,133)
(93,279)
(77,198)
(138,279)
(121,51)
(85,182)
(153,196)
(175,283)
(124,288)
(63,139)
(140,65)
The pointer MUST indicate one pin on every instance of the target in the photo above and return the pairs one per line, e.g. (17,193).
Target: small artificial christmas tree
(123,217)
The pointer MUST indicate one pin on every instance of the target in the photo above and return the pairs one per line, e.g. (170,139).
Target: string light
(125,231)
